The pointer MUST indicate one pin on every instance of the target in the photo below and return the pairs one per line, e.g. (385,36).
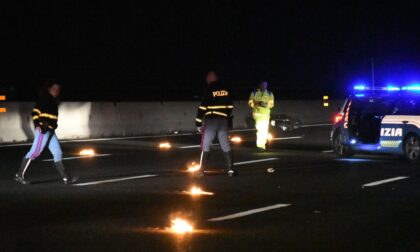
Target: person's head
(263,85)
(211,77)
(53,88)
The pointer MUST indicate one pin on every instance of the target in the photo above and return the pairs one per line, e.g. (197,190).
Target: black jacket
(45,113)
(216,102)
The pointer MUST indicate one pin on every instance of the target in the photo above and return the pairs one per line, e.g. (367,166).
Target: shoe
(21,180)
(230,170)
(71,180)
(232,173)
(67,178)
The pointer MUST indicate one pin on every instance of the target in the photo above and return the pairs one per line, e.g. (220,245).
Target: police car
(380,120)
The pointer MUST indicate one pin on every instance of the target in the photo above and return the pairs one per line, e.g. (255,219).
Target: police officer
(45,117)
(212,121)
(261,101)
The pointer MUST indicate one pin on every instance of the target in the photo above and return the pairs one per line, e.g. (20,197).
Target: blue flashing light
(360,95)
(392,88)
(353,141)
(413,87)
(360,87)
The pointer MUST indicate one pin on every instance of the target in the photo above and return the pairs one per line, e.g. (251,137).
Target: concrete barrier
(106,119)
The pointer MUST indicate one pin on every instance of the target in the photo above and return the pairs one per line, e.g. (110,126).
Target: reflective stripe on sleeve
(36,111)
(49,116)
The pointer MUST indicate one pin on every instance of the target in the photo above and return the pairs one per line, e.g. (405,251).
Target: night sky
(162,50)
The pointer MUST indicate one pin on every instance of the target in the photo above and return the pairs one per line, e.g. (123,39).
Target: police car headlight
(273,123)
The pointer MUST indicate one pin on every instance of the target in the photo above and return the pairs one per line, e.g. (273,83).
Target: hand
(198,129)
(263,104)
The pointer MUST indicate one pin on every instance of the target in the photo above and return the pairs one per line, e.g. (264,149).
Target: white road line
(190,146)
(13,145)
(79,157)
(101,139)
(255,161)
(328,151)
(316,125)
(287,138)
(249,212)
(380,182)
(115,180)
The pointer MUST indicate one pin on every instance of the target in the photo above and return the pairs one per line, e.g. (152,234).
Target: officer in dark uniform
(45,117)
(213,116)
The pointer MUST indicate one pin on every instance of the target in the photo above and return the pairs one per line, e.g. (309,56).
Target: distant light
(165,145)
(326,104)
(325,97)
(270,137)
(193,167)
(353,141)
(180,226)
(2,97)
(273,123)
(236,139)
(87,152)
(198,191)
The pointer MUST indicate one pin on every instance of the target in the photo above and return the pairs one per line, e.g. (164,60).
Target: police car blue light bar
(360,89)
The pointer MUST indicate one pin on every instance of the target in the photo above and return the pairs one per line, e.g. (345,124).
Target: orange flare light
(270,137)
(197,191)
(87,152)
(193,167)
(236,139)
(165,145)
(180,226)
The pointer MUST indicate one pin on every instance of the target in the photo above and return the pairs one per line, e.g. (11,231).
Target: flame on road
(165,145)
(236,139)
(87,152)
(197,191)
(193,167)
(180,226)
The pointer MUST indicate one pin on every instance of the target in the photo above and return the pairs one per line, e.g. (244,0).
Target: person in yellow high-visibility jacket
(261,101)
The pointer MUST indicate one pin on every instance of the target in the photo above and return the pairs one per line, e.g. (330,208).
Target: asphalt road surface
(130,191)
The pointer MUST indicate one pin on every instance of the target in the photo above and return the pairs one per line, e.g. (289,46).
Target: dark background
(161,50)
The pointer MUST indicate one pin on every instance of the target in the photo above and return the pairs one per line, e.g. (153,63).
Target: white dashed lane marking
(380,182)
(249,212)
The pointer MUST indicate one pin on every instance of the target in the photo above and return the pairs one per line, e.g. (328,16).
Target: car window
(407,106)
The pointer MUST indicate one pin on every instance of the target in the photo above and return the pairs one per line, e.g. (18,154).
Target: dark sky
(161,50)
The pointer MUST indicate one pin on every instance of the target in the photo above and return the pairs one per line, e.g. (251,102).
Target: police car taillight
(338,118)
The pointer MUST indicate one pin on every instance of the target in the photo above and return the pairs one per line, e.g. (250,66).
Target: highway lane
(125,199)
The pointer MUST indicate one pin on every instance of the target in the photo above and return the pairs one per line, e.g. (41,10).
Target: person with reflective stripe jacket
(45,117)
(213,119)
(261,102)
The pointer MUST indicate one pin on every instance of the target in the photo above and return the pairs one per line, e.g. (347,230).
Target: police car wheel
(340,149)
(412,148)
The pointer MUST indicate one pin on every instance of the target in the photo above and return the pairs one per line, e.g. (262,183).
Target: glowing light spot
(87,152)
(270,137)
(193,167)
(165,145)
(236,139)
(180,226)
(198,191)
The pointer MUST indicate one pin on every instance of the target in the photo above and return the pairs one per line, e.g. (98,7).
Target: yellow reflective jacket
(256,98)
